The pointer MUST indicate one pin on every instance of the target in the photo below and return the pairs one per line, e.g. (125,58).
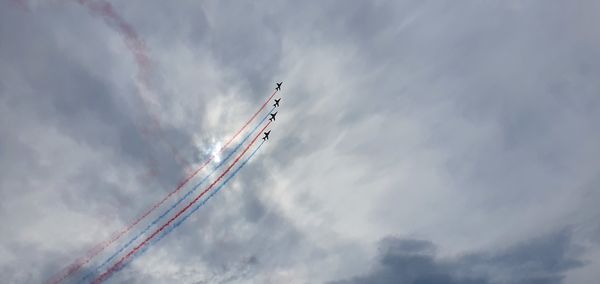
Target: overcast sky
(416,142)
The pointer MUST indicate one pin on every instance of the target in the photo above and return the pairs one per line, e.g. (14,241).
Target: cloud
(469,127)
(541,260)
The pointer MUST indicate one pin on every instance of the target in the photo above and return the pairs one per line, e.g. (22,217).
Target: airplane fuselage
(266,137)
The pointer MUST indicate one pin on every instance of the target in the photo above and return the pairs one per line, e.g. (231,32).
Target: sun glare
(216,152)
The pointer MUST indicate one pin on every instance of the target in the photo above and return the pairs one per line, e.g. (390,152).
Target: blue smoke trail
(178,201)
(182,219)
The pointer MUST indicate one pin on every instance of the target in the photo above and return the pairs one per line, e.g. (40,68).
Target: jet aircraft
(276,104)
(278,88)
(266,135)
(272,118)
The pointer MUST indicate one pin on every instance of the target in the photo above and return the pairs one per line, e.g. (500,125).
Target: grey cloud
(398,117)
(541,260)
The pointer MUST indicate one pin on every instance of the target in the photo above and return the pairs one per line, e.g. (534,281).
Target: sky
(416,141)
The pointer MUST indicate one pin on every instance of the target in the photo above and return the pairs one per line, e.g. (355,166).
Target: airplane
(277,102)
(266,135)
(272,116)
(278,88)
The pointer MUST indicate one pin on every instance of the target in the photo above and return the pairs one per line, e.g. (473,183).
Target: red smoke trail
(21,4)
(133,42)
(139,51)
(117,265)
(77,264)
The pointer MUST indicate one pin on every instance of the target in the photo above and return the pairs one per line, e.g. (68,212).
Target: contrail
(180,199)
(132,40)
(138,48)
(178,223)
(117,265)
(77,264)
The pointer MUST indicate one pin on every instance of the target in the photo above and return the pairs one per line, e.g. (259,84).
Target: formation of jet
(266,137)
(276,104)
(272,118)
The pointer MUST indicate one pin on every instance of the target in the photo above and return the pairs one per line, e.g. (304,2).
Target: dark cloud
(541,260)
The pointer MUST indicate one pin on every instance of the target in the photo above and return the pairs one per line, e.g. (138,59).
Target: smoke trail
(138,48)
(132,40)
(178,223)
(117,265)
(21,4)
(180,199)
(77,264)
